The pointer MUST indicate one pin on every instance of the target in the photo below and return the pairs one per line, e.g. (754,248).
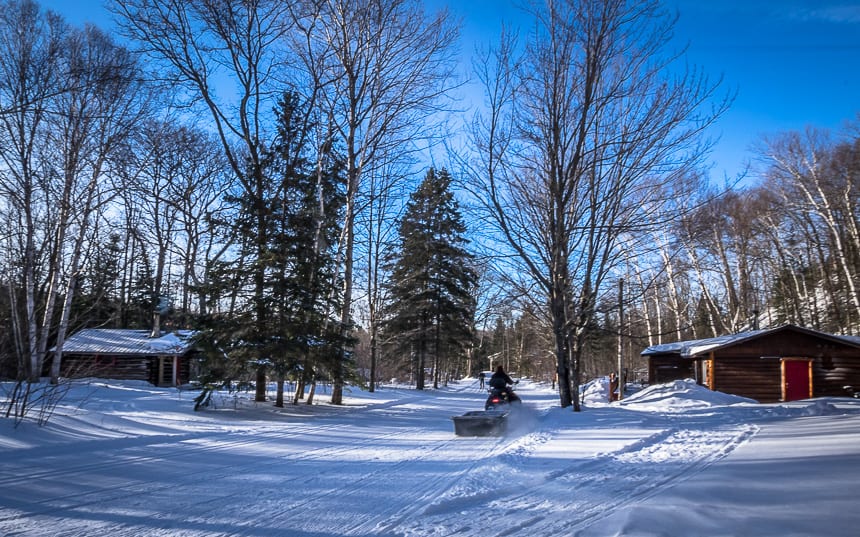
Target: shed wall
(831,374)
(668,368)
(753,368)
(756,378)
(144,368)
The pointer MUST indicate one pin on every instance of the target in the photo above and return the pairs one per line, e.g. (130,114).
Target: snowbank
(680,396)
(595,391)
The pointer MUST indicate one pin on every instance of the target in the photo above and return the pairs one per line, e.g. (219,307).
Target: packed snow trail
(139,462)
(324,474)
(560,495)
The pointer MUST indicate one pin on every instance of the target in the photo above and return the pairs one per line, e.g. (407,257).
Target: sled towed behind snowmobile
(480,423)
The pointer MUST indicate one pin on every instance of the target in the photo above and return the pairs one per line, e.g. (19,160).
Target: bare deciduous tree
(29,77)
(585,137)
(230,58)
(815,178)
(383,67)
(378,211)
(98,111)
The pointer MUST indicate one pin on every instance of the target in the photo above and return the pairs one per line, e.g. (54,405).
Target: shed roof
(117,341)
(693,348)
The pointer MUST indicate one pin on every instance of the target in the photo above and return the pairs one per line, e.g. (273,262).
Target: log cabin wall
(105,366)
(756,378)
(143,368)
(753,367)
(668,368)
(833,372)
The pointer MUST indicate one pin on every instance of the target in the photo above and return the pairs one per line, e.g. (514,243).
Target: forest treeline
(260,172)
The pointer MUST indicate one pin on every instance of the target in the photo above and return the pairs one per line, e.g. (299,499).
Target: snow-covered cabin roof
(852,339)
(697,347)
(126,341)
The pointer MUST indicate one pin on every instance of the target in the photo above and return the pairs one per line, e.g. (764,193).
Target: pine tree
(431,309)
(96,302)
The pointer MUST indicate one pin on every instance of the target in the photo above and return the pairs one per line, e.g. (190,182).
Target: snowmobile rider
(500,381)
(501,392)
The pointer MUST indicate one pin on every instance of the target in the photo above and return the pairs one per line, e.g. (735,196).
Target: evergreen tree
(96,302)
(306,294)
(302,199)
(431,309)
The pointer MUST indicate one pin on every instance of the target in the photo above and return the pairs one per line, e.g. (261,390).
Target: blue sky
(793,63)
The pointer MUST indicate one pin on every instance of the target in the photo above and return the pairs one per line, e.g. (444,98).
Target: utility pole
(620,339)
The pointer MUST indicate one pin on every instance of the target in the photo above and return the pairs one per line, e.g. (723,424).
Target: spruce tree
(430,313)
(302,198)
(305,242)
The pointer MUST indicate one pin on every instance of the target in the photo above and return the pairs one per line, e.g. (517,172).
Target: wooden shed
(778,364)
(129,355)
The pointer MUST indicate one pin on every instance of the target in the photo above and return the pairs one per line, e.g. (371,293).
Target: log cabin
(126,354)
(786,363)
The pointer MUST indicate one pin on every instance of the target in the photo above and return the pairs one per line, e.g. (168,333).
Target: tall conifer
(303,198)
(431,311)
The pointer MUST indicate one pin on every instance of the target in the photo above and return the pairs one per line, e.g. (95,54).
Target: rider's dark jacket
(500,381)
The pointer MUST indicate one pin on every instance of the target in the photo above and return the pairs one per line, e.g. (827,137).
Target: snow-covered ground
(671,460)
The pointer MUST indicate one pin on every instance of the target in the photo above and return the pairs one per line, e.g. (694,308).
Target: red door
(796,382)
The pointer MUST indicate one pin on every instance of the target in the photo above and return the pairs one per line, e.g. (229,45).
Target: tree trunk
(562,352)
(419,366)
(311,393)
(348,262)
(373,357)
(260,394)
(35,369)
(300,389)
(279,398)
(260,276)
(55,273)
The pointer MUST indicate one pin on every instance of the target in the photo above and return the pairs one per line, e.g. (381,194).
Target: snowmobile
(493,420)
(502,398)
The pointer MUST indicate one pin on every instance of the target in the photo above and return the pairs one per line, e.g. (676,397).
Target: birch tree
(98,111)
(815,178)
(70,96)
(29,78)
(383,67)
(378,210)
(230,59)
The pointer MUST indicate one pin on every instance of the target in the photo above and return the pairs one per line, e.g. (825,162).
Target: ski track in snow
(330,476)
(571,498)
(172,451)
(139,489)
